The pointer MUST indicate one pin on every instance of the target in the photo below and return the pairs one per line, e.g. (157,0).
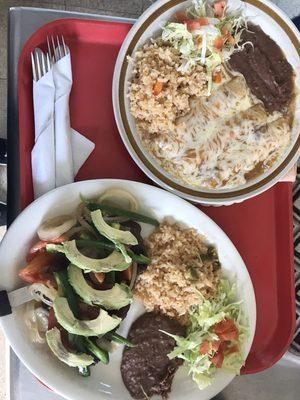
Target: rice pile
(157,62)
(181,268)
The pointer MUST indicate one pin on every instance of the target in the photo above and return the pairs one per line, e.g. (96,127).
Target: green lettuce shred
(202,319)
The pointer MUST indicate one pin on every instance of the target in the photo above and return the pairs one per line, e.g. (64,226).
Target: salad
(214,338)
(81,271)
(206,33)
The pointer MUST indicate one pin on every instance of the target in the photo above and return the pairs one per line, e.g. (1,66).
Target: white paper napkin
(59,151)
(43,153)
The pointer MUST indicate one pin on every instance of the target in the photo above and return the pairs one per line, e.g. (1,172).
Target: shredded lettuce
(178,35)
(198,46)
(202,320)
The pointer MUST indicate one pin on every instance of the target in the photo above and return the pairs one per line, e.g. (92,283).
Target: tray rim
(130,21)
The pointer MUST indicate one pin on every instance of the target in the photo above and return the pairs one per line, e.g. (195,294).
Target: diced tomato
(218,359)
(227,37)
(218,43)
(233,334)
(205,347)
(215,345)
(223,326)
(181,17)
(226,330)
(37,269)
(41,244)
(217,77)
(233,349)
(194,24)
(219,8)
(223,346)
(157,88)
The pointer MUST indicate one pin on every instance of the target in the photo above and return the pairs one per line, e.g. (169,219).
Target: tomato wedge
(205,347)
(218,43)
(194,24)
(226,330)
(37,269)
(41,244)
(233,349)
(215,345)
(218,359)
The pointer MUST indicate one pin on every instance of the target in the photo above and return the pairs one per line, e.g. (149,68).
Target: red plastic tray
(261,228)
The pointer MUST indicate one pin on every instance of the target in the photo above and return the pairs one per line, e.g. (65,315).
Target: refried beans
(268,74)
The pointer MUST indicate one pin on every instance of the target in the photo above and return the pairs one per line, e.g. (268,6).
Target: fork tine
(44,70)
(33,66)
(38,65)
(58,48)
(64,46)
(48,62)
(53,45)
(49,48)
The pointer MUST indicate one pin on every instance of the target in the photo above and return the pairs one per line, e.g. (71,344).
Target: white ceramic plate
(277,25)
(105,382)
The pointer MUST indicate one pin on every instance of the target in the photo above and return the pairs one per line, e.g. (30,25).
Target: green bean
(67,291)
(101,354)
(123,213)
(115,337)
(139,258)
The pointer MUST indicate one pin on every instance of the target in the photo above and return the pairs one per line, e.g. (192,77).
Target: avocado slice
(113,234)
(113,299)
(114,262)
(102,324)
(72,359)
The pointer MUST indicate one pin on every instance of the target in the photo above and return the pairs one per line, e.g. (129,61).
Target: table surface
(22,22)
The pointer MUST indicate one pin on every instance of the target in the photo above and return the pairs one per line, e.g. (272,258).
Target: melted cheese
(222,139)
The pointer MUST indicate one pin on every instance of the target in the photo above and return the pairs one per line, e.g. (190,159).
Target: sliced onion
(36,321)
(134,275)
(55,227)
(74,231)
(116,196)
(41,292)
(81,219)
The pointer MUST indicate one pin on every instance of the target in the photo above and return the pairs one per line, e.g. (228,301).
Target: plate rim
(4,321)
(118,95)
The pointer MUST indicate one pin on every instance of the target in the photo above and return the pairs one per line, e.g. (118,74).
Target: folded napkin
(43,153)
(59,151)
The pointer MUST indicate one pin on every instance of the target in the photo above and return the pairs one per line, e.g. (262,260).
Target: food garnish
(215,336)
(81,273)
(207,33)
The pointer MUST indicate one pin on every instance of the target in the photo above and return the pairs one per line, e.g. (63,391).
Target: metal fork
(40,63)
(58,50)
